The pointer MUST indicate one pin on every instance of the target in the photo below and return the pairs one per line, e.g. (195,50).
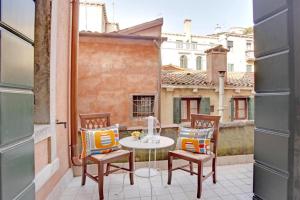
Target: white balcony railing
(250,55)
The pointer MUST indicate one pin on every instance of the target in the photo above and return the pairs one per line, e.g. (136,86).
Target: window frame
(249,45)
(230,67)
(197,63)
(179,44)
(247,68)
(183,59)
(194,45)
(136,114)
(236,108)
(230,46)
(188,107)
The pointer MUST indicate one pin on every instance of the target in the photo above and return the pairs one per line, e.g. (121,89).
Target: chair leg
(100,180)
(199,185)
(214,170)
(107,169)
(191,168)
(131,168)
(170,160)
(84,166)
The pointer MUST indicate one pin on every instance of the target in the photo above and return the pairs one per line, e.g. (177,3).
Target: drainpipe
(73,93)
(221,94)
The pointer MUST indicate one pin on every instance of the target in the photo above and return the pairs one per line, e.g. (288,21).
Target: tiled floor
(234,182)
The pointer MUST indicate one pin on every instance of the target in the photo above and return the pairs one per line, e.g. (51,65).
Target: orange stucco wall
(111,70)
(62,101)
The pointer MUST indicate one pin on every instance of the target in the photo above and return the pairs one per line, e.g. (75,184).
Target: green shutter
(205,105)
(232,109)
(251,108)
(177,110)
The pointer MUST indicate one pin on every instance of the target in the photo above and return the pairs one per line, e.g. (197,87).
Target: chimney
(187,29)
(216,61)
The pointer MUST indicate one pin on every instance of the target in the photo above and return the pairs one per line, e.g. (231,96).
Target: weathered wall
(62,76)
(167,100)
(42,62)
(111,70)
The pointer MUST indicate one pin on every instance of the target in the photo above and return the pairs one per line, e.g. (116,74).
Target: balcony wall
(236,138)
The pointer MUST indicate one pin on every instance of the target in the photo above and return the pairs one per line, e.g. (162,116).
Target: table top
(130,142)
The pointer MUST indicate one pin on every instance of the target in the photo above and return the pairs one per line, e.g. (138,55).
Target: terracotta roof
(171,67)
(199,78)
(141,27)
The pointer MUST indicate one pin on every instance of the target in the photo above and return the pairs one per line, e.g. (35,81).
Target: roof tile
(199,78)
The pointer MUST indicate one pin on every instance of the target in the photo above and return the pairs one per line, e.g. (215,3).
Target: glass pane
(241,104)
(16,60)
(19,15)
(242,114)
(194,107)
(183,109)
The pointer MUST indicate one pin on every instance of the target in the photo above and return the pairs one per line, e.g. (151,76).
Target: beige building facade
(185,92)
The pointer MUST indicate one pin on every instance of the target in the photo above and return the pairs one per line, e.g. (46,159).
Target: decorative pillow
(99,141)
(195,145)
(195,140)
(196,133)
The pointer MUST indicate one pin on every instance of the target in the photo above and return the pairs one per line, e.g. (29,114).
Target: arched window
(183,61)
(199,63)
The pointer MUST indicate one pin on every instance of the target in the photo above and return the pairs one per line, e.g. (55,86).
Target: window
(188,45)
(179,44)
(249,68)
(240,108)
(143,106)
(183,61)
(229,44)
(230,67)
(249,45)
(189,106)
(199,63)
(194,45)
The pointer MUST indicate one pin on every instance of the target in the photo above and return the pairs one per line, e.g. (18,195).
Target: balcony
(250,56)
(234,183)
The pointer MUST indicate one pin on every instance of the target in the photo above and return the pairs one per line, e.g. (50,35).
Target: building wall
(111,70)
(171,53)
(237,56)
(60,69)
(167,100)
(91,17)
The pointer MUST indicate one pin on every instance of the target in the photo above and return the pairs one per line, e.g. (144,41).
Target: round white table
(130,142)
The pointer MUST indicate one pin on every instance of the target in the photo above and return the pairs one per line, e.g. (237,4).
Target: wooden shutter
(232,109)
(251,108)
(205,105)
(177,110)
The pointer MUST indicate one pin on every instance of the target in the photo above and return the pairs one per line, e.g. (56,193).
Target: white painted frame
(43,132)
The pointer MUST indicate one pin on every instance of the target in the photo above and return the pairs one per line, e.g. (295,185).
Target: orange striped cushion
(99,141)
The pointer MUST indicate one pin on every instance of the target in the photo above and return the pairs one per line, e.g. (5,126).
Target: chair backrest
(95,120)
(207,121)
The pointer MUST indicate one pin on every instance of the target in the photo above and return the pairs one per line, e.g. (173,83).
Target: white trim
(45,174)
(41,132)
(53,65)
(61,186)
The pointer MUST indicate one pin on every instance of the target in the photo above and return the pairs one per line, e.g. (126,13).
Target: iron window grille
(143,106)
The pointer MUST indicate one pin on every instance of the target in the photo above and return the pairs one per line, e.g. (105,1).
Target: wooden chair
(198,121)
(99,120)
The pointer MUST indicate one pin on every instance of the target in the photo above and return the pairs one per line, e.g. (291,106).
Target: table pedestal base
(145,172)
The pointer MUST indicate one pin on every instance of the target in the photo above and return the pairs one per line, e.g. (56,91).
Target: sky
(205,14)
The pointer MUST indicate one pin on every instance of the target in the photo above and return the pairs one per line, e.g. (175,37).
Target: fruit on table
(136,134)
